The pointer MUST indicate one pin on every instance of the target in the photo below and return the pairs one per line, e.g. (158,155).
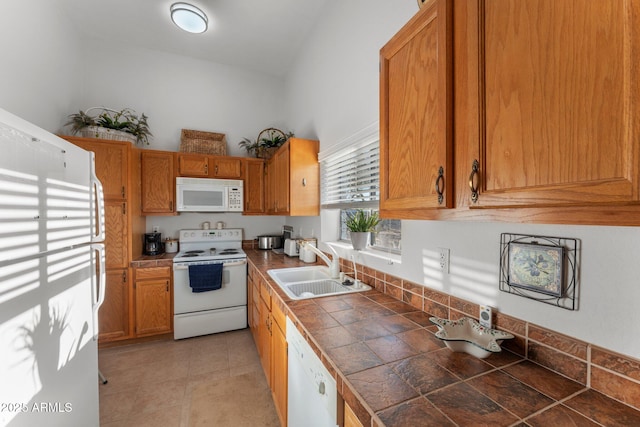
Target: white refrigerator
(51,278)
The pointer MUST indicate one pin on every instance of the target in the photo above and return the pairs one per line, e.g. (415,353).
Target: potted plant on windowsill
(360,225)
(123,125)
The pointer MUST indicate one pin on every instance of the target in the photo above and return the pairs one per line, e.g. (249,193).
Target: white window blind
(350,177)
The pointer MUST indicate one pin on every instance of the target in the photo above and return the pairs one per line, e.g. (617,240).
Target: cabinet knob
(474,180)
(304,182)
(440,185)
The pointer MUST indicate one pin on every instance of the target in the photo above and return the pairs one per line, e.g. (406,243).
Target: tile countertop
(144,261)
(392,371)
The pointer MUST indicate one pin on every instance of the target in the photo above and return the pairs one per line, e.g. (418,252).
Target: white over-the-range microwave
(209,195)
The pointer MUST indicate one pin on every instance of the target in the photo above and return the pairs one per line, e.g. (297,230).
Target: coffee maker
(153,244)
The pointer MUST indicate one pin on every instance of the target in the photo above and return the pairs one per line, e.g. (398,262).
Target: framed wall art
(542,268)
(536,267)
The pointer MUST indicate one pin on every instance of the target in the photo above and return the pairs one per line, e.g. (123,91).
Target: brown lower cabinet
(350,419)
(267,323)
(113,316)
(153,301)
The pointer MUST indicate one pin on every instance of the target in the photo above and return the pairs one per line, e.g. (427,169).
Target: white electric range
(224,309)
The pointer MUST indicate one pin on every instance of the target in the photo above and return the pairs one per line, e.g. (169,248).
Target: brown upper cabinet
(193,165)
(293,179)
(158,182)
(254,186)
(545,111)
(416,141)
(112,163)
(226,167)
(203,166)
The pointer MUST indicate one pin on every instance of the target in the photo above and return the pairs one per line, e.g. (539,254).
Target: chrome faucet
(334,264)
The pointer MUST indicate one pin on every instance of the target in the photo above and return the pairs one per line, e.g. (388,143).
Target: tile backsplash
(612,374)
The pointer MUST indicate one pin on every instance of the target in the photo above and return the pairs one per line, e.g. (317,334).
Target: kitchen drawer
(265,293)
(152,273)
(278,312)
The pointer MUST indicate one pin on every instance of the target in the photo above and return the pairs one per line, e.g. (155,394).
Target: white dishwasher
(312,391)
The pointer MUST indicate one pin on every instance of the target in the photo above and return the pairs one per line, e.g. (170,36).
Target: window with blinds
(350,179)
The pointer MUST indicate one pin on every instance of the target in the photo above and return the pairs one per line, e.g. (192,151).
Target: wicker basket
(105,133)
(269,134)
(196,141)
(266,153)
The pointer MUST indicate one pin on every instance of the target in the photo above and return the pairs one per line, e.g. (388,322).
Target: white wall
(176,92)
(40,69)
(333,91)
(253,226)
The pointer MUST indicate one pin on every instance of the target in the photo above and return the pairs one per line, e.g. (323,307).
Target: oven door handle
(233,264)
(226,264)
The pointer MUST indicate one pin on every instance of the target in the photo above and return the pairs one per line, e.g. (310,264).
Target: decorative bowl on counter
(468,336)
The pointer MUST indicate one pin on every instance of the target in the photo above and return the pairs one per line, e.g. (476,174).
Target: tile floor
(150,384)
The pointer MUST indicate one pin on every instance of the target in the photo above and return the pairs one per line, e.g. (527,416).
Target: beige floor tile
(163,417)
(152,397)
(165,371)
(152,384)
(115,407)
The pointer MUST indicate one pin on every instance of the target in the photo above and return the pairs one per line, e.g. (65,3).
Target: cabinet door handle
(216,170)
(171,205)
(206,169)
(167,285)
(304,182)
(123,195)
(474,181)
(124,209)
(440,185)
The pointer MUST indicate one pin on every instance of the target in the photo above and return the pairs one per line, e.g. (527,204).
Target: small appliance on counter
(292,247)
(153,244)
(171,245)
(290,244)
(307,255)
(270,241)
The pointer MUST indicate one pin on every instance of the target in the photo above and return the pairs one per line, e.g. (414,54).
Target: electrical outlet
(444,259)
(156,229)
(485,316)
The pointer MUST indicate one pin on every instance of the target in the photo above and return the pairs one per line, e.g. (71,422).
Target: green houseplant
(125,124)
(360,225)
(267,143)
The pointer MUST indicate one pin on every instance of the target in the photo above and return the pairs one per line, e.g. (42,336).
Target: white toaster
(291,247)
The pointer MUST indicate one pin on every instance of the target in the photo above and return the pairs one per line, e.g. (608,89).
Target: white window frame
(346,171)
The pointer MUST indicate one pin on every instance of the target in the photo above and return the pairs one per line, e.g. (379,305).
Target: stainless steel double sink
(313,282)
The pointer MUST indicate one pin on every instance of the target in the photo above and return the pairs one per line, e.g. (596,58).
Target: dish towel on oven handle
(205,277)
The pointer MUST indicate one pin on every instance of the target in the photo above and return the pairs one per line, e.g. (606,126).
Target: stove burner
(229,252)
(194,253)
(190,255)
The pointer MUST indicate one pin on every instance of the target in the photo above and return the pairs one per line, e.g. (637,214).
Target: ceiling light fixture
(189,18)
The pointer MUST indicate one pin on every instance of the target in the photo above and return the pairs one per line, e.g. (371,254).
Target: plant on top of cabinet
(123,125)
(267,143)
